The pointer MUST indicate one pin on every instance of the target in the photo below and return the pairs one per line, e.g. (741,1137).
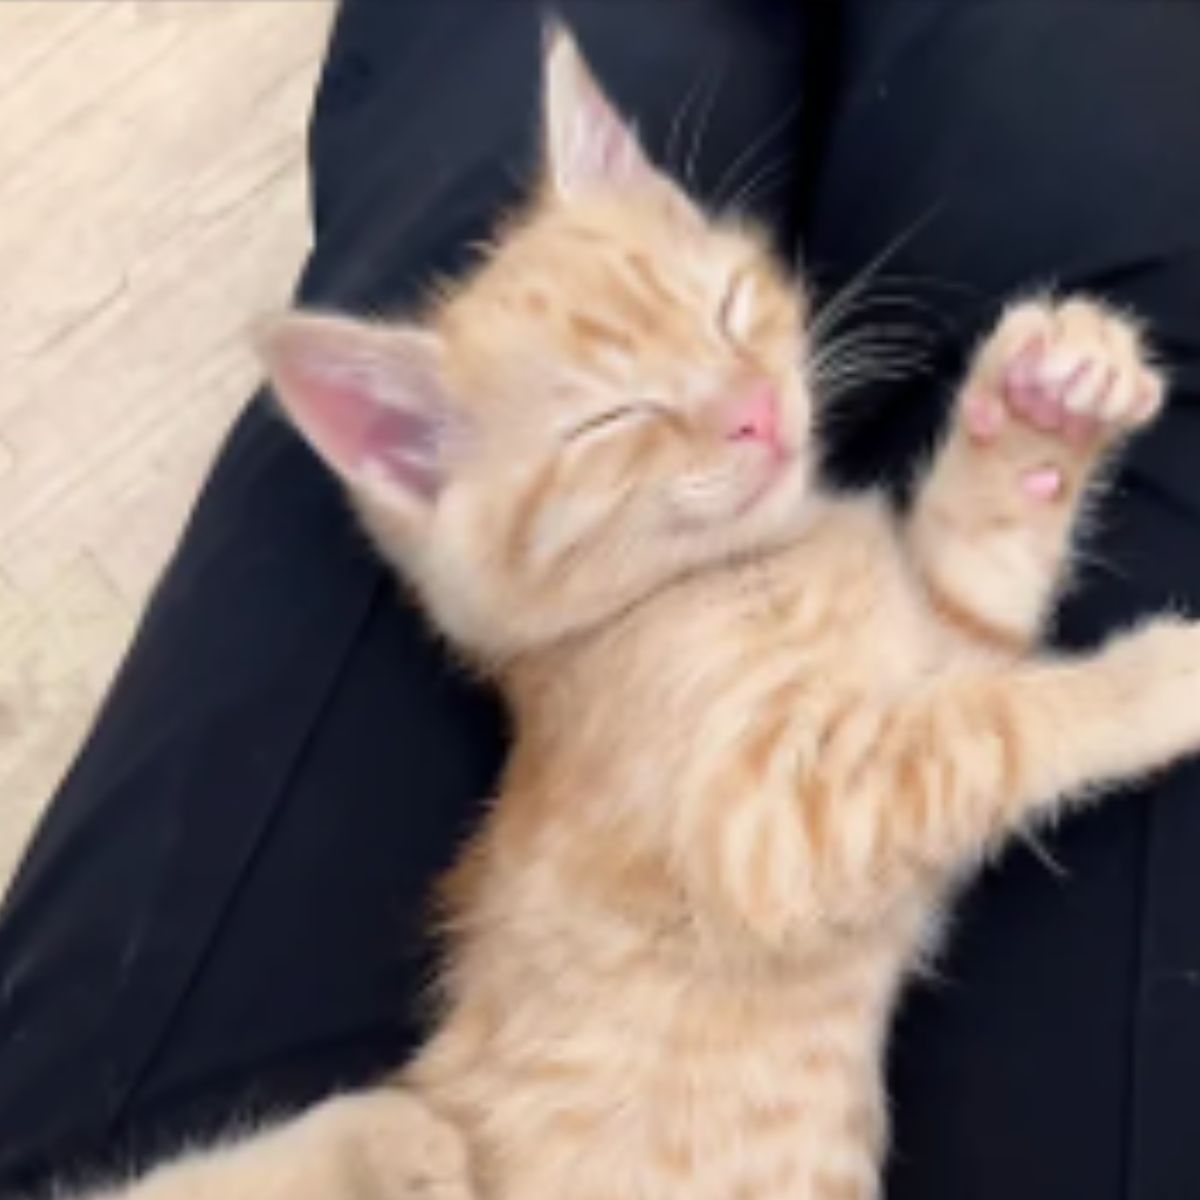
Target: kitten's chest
(833,627)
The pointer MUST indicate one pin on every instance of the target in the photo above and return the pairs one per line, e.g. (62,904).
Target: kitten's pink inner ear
(368,402)
(588,144)
(363,435)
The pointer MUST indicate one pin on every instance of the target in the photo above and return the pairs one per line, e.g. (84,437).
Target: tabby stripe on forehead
(588,329)
(642,268)
(645,312)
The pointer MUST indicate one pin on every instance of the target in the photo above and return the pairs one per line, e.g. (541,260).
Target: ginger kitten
(762,731)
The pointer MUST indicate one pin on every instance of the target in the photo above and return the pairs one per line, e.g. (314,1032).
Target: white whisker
(835,307)
(745,160)
(771,174)
(700,129)
(672,147)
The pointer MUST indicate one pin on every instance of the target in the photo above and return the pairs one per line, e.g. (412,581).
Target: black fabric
(222,912)
(988,149)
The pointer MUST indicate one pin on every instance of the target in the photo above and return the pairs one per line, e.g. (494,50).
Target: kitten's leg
(843,818)
(1053,390)
(980,756)
(376,1145)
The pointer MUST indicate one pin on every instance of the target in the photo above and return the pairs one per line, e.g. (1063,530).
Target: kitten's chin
(771,512)
(772,476)
(780,506)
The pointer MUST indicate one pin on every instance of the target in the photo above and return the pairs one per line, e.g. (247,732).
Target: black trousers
(222,912)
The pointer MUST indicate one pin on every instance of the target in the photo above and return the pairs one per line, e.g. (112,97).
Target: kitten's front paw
(1055,384)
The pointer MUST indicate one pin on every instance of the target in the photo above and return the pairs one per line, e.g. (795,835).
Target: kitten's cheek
(702,503)
(684,509)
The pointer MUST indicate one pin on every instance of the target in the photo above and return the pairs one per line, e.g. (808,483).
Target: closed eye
(734,309)
(638,411)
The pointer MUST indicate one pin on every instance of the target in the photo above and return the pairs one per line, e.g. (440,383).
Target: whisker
(1037,846)
(672,146)
(890,329)
(1092,559)
(850,349)
(700,129)
(833,310)
(835,389)
(745,160)
(879,357)
(861,278)
(862,346)
(863,303)
(845,367)
(829,389)
(769,176)
(881,373)
(861,367)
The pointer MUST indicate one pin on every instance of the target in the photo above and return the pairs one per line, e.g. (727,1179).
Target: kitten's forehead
(651,243)
(618,264)
(622,293)
(618,297)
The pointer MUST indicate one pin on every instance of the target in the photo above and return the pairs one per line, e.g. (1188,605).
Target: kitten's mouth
(777,465)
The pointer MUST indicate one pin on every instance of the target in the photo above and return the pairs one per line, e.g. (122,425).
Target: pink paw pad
(1044,483)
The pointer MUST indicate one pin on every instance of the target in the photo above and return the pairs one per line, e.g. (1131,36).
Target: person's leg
(223,909)
(998,147)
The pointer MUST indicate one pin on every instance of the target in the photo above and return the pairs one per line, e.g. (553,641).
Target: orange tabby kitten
(762,731)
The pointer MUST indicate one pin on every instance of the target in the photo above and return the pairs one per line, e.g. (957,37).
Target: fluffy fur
(762,731)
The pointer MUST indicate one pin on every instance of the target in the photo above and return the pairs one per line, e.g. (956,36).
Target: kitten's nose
(754,416)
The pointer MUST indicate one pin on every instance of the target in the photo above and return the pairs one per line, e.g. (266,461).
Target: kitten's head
(617,397)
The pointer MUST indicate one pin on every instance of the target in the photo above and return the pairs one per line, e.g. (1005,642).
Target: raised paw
(1059,382)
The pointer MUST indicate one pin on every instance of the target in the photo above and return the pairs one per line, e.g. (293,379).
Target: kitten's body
(761,731)
(682,933)
(629,1023)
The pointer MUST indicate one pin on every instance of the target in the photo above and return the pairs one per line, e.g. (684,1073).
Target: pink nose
(754,416)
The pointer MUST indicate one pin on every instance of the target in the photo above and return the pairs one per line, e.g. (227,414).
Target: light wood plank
(153,195)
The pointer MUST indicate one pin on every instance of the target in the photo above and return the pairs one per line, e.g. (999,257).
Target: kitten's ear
(370,401)
(588,145)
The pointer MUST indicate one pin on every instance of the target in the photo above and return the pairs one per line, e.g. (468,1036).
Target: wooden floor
(151,204)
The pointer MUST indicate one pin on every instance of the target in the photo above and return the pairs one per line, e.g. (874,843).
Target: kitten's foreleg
(1050,394)
(844,817)
(382,1144)
(981,756)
